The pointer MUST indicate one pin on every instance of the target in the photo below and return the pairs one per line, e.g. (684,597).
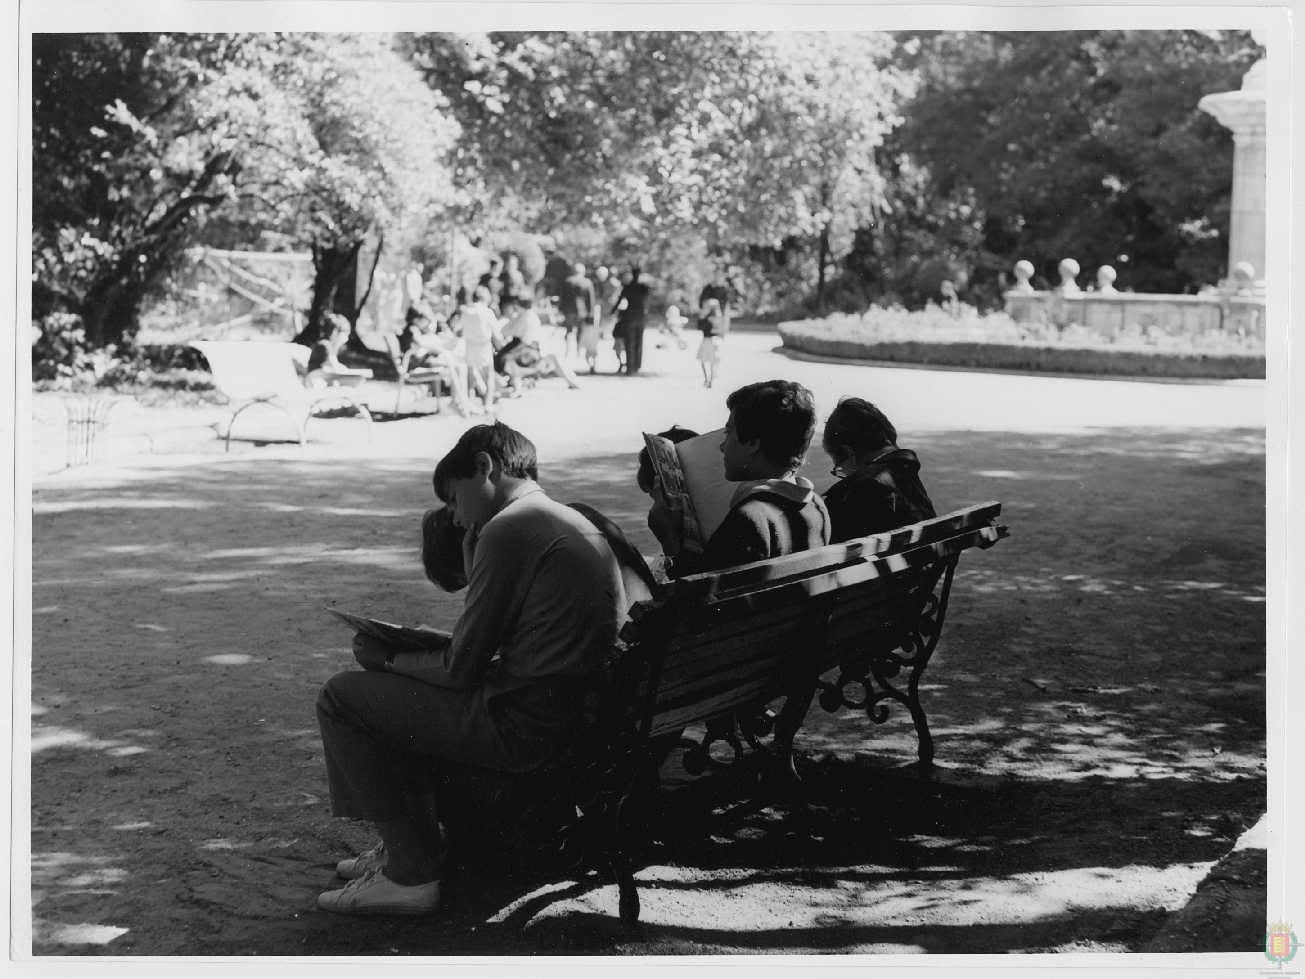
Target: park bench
(850,625)
(254,372)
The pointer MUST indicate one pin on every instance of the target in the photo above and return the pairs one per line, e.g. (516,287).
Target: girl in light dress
(712,324)
(480,335)
(590,334)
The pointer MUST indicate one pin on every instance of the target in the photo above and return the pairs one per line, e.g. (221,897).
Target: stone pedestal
(1243,111)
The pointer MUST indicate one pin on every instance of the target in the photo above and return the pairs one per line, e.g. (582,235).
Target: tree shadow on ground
(1101,678)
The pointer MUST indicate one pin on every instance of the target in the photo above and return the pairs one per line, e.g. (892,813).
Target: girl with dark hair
(324,368)
(879,484)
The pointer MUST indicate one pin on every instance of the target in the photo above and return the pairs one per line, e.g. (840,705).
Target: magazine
(399,636)
(692,475)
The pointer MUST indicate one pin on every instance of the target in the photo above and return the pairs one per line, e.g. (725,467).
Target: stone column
(1243,112)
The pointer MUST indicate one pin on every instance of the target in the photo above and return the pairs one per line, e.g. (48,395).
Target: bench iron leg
(922,732)
(617,854)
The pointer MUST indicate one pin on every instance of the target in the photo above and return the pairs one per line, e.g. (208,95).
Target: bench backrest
(715,642)
(244,369)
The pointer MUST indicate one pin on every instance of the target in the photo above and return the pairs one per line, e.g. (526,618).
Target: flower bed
(995,341)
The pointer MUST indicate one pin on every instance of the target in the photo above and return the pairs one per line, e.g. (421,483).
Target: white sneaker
(374,893)
(354,867)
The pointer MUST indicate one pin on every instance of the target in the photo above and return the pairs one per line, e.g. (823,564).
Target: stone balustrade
(1236,308)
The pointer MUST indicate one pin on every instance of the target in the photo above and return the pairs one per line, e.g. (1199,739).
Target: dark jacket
(774,518)
(883,496)
(635,295)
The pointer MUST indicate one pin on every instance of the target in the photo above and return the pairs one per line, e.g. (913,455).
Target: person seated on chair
(505,694)
(879,484)
(521,355)
(521,338)
(766,438)
(324,368)
(429,346)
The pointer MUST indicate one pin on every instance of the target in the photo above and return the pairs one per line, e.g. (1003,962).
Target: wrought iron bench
(851,625)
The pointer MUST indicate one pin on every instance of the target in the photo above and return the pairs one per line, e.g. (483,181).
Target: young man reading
(543,605)
(766,438)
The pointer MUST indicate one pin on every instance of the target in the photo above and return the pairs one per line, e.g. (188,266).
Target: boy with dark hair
(879,485)
(505,692)
(766,438)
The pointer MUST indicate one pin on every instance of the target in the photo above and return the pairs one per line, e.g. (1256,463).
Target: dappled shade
(1097,701)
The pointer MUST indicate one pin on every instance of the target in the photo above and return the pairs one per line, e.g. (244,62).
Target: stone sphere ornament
(1068,269)
(1023,272)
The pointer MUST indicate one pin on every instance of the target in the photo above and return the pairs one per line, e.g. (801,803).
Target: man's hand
(666,521)
(369,651)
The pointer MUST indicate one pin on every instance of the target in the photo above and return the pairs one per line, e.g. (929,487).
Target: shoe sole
(374,910)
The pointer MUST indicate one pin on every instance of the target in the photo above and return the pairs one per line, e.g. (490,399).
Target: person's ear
(484,466)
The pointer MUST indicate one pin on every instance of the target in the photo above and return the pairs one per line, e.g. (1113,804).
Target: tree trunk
(355,342)
(333,289)
(821,262)
(110,310)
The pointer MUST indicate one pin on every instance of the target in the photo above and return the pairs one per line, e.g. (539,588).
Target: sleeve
(488,614)
(859,509)
(742,537)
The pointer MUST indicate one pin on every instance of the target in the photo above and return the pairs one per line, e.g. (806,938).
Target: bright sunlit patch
(79,934)
(999,474)
(127,750)
(47,737)
(221,844)
(229,659)
(104,503)
(152,627)
(46,609)
(38,710)
(105,875)
(126,827)
(886,898)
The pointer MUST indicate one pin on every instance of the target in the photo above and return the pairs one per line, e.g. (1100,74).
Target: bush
(965,338)
(60,353)
(61,361)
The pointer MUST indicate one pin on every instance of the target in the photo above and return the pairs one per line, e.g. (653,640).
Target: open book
(692,475)
(398,636)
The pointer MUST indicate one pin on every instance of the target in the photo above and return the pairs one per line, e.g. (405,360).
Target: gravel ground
(1097,699)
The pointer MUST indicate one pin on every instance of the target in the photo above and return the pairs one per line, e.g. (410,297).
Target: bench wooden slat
(776,569)
(695,616)
(873,568)
(691,678)
(703,710)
